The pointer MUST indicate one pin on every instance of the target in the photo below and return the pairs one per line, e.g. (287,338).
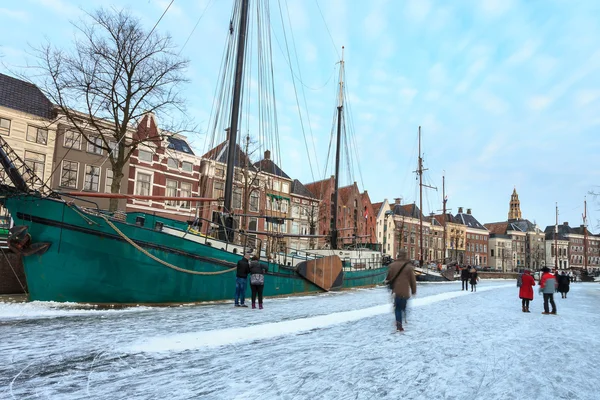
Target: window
(37,135)
(295,228)
(68,176)
(92,178)
(172,162)
(295,212)
(285,187)
(186,191)
(36,162)
(491,252)
(142,184)
(108,181)
(114,148)
(220,172)
(254,201)
(218,190)
(276,185)
(4,126)
(144,155)
(94,145)
(237,198)
(72,140)
(283,227)
(171,191)
(187,166)
(284,206)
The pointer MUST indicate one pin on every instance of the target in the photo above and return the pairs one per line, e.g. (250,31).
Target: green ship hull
(90,262)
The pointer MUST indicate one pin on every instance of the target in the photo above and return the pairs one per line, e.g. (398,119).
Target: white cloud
(408,94)
(375,22)
(437,75)
(490,102)
(586,96)
(538,103)
(14,14)
(60,7)
(495,8)
(417,10)
(472,72)
(525,52)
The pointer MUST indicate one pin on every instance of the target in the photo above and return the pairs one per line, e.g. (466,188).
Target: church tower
(515,206)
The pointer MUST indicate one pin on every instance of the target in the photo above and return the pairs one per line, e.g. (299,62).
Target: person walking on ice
(526,289)
(401,280)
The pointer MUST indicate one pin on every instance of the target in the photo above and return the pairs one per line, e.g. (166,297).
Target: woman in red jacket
(526,289)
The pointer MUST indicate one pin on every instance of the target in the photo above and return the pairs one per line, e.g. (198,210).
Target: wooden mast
(444,200)
(235,109)
(585,236)
(340,109)
(420,171)
(556,240)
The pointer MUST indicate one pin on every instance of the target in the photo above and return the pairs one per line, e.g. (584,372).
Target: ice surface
(457,345)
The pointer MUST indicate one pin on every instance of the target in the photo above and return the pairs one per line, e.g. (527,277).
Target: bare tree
(116,73)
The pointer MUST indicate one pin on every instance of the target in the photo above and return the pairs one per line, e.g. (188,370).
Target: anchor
(19,242)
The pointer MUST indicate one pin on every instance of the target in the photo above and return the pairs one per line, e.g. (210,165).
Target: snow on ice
(457,345)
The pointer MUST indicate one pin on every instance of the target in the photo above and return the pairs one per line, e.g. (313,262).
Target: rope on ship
(166,264)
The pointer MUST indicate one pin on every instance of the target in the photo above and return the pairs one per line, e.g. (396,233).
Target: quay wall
(9,279)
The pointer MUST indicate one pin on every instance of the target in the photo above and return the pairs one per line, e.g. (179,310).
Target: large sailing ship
(76,254)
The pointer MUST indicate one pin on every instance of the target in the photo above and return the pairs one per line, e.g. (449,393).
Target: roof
(441,219)
(469,221)
(318,188)
(497,228)
(268,166)
(377,207)
(407,210)
(301,190)
(178,144)
(219,154)
(24,96)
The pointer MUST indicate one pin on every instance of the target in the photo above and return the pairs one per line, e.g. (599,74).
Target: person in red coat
(526,290)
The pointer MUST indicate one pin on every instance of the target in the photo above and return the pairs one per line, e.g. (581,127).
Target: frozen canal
(457,345)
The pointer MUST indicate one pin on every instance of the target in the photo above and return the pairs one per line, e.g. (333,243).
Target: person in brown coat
(401,280)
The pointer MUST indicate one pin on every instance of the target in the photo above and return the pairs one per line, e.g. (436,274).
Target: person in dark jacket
(464,277)
(241,276)
(257,280)
(548,286)
(526,289)
(403,283)
(563,284)
(473,279)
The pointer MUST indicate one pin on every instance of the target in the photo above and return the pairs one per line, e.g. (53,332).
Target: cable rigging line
(195,26)
(327,27)
(296,94)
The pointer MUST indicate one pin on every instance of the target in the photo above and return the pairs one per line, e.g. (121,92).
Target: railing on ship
(288,258)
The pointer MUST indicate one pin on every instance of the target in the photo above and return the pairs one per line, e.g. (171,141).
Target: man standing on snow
(241,276)
(464,277)
(547,287)
(402,282)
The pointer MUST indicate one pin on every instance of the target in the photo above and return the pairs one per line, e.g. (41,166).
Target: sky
(506,92)
(336,345)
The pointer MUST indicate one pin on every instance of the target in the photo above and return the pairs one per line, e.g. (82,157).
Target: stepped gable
(219,154)
(24,96)
(377,207)
(301,190)
(318,188)
(345,193)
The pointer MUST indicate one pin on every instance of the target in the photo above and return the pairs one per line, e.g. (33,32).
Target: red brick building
(163,166)
(353,206)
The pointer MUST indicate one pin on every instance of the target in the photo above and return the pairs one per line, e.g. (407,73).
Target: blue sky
(506,92)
